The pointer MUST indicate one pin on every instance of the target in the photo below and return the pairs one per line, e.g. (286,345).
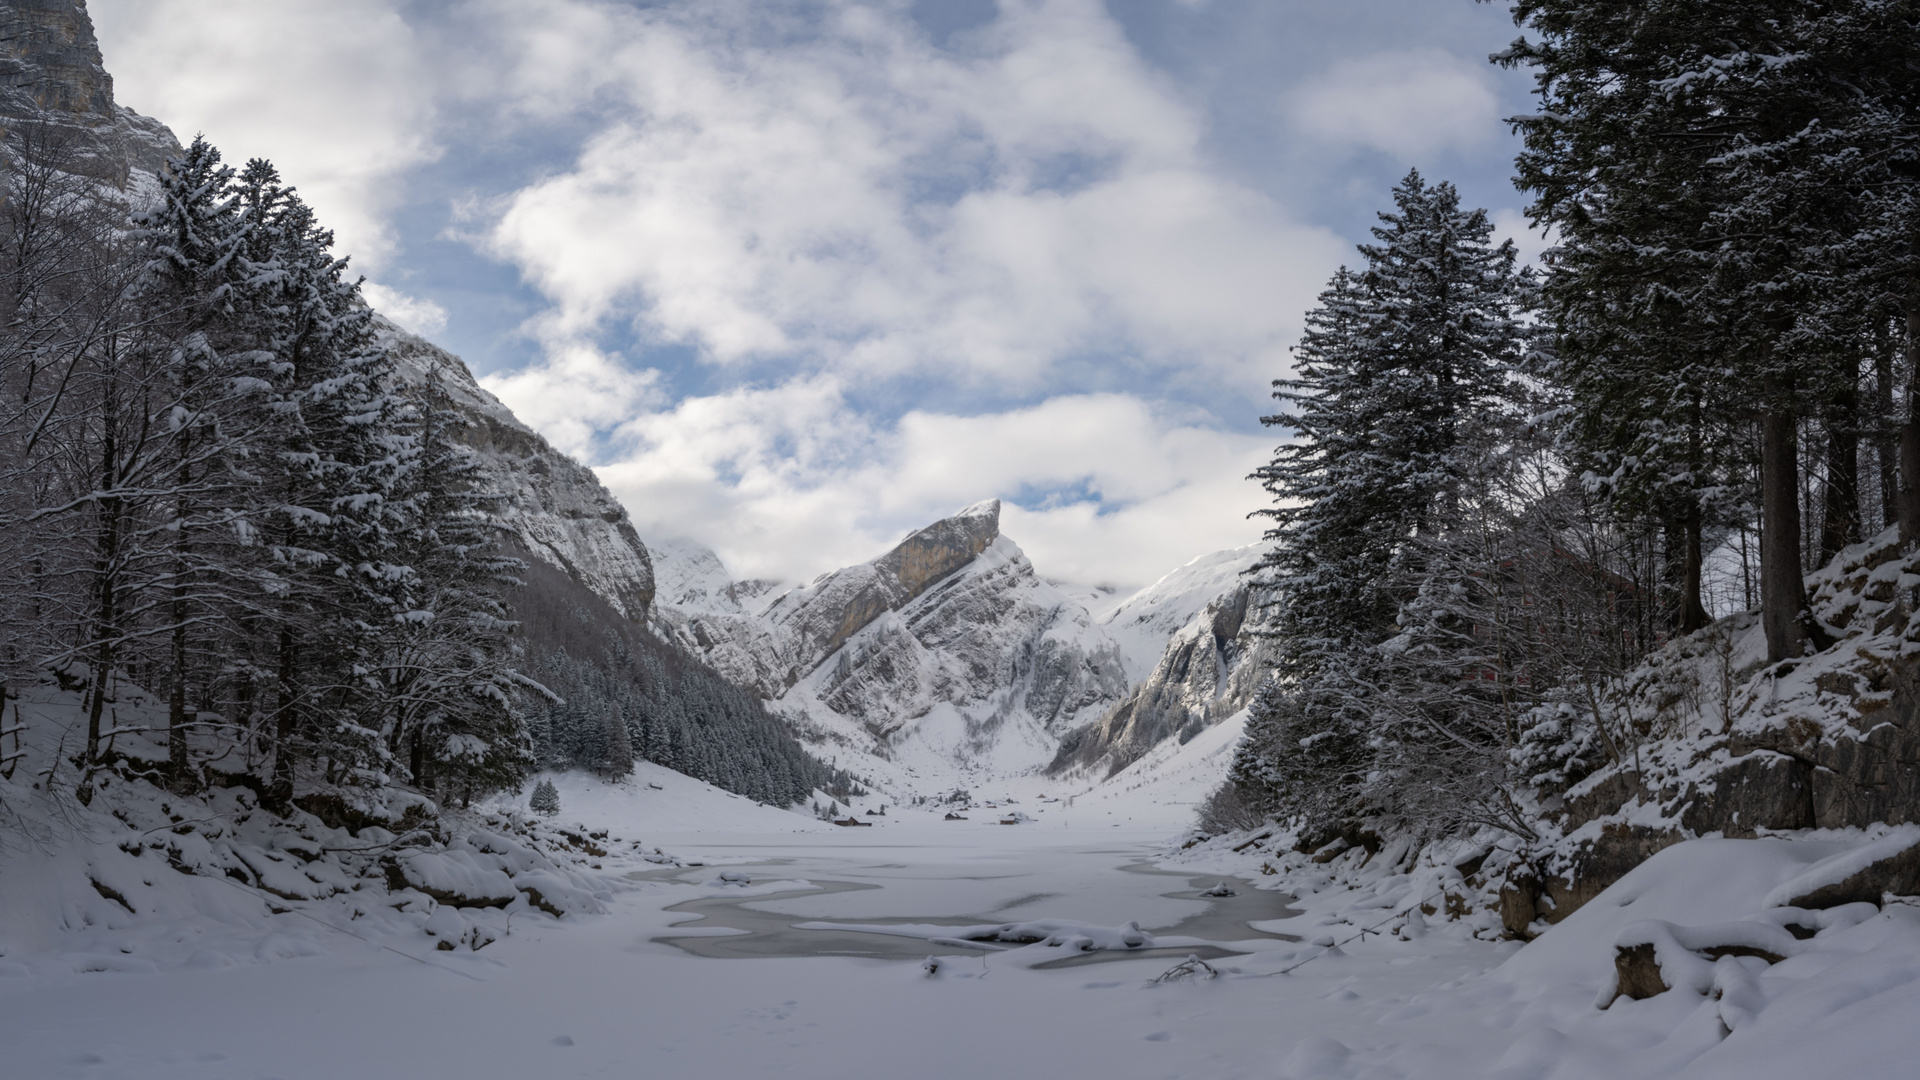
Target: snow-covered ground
(612,994)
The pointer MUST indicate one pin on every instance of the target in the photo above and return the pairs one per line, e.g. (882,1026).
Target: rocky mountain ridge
(558,510)
(1206,669)
(949,647)
(953,658)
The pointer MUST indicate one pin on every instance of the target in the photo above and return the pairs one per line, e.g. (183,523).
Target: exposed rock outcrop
(1209,670)
(990,640)
(559,510)
(1728,744)
(51,77)
(949,642)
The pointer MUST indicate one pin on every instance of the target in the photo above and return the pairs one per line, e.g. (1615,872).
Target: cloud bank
(803,277)
(836,204)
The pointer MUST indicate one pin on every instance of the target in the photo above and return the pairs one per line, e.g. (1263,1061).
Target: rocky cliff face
(1207,668)
(55,91)
(949,648)
(556,507)
(52,80)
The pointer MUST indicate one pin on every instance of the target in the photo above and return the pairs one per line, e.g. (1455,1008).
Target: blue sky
(798,277)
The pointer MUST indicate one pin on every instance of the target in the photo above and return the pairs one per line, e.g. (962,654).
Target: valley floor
(604,995)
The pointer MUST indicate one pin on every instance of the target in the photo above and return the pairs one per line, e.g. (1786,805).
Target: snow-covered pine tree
(1405,369)
(448,686)
(326,520)
(199,313)
(1640,358)
(152,396)
(1719,180)
(545,798)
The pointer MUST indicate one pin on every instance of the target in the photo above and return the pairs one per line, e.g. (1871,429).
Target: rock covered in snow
(1209,664)
(1144,621)
(1742,748)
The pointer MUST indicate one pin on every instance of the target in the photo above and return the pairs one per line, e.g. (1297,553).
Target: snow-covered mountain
(1193,628)
(948,657)
(949,654)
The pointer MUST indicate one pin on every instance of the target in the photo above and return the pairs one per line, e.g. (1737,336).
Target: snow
(655,799)
(1700,881)
(1838,868)
(1166,787)
(613,993)
(970,684)
(1143,621)
(1057,947)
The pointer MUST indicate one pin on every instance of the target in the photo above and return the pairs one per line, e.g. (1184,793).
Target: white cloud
(837,205)
(1407,103)
(418,314)
(577,394)
(857,200)
(790,481)
(1510,224)
(335,94)
(821,201)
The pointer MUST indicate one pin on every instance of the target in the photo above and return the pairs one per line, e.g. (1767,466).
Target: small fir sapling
(545,799)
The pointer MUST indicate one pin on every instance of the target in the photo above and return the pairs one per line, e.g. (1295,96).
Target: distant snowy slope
(655,799)
(1205,665)
(1167,785)
(1142,623)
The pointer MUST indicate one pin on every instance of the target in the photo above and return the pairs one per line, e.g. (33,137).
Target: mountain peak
(929,554)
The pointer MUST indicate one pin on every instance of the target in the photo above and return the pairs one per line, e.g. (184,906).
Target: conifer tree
(198,310)
(1403,384)
(545,798)
(448,686)
(1735,222)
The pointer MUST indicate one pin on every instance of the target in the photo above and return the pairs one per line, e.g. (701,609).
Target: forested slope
(1573,562)
(228,486)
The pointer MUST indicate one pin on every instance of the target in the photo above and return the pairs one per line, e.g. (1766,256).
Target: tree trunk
(1840,516)
(1886,446)
(1910,428)
(284,726)
(106,589)
(177,683)
(1693,614)
(1782,581)
(177,686)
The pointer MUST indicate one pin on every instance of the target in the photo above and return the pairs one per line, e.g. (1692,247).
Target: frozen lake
(802,953)
(956,876)
(668,985)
